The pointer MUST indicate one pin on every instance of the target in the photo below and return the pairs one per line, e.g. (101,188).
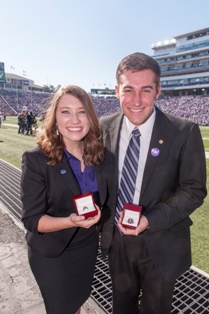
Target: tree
(58,87)
(50,88)
(46,88)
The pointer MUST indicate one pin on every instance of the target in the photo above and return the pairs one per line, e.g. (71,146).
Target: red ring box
(84,204)
(131,216)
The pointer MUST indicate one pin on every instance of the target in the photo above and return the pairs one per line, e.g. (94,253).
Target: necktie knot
(136,132)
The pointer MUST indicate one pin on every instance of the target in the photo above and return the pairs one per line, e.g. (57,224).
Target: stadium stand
(13,101)
(194,108)
(184,63)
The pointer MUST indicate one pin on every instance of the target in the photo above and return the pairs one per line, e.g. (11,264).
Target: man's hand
(143,224)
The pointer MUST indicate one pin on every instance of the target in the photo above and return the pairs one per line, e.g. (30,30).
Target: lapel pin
(161,141)
(155,152)
(63,171)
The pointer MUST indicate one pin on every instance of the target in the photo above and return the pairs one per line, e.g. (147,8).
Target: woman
(62,245)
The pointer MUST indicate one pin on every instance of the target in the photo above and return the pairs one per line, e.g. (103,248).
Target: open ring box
(84,204)
(131,215)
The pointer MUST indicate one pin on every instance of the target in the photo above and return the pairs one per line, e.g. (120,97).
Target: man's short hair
(136,62)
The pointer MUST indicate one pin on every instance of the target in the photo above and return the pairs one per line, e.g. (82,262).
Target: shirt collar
(144,128)
(67,154)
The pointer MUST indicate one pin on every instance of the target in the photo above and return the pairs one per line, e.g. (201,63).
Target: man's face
(137,92)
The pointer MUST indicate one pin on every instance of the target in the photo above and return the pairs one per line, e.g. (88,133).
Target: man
(30,122)
(22,117)
(170,185)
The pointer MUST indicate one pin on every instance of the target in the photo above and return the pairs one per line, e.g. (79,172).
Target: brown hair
(138,62)
(53,145)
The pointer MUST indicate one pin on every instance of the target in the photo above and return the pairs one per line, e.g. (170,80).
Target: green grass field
(12,145)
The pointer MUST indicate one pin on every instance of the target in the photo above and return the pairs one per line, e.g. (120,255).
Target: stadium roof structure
(194,33)
(165,43)
(184,63)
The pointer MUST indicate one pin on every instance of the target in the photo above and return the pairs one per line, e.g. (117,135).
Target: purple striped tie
(129,174)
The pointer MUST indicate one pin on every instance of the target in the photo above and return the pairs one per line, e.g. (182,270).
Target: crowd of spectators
(194,108)
(12,102)
(106,106)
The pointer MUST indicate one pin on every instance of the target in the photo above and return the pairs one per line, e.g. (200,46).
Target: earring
(57,131)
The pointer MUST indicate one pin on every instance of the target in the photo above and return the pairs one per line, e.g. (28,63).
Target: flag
(104,84)
(12,68)
(24,73)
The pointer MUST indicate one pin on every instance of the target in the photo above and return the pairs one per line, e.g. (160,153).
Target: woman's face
(72,121)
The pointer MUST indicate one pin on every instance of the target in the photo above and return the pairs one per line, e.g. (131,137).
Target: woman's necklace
(78,153)
(82,164)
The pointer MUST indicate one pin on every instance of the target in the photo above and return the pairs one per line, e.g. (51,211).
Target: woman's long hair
(53,144)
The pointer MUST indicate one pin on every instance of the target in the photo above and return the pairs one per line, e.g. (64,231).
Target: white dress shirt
(125,135)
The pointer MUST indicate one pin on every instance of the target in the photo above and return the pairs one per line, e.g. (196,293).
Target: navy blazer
(47,189)
(173,186)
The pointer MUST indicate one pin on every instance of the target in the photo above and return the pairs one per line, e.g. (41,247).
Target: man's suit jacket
(50,189)
(173,186)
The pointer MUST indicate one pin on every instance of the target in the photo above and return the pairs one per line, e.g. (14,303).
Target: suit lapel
(157,144)
(114,147)
(111,136)
(115,134)
(65,174)
(102,184)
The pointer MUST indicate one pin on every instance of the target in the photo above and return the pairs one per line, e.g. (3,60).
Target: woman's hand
(80,221)
(50,224)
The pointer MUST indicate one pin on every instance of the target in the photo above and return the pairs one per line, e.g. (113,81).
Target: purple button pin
(155,152)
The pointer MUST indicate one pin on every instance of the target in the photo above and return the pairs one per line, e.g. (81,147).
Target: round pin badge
(63,171)
(155,152)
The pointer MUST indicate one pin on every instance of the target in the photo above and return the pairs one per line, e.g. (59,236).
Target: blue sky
(81,42)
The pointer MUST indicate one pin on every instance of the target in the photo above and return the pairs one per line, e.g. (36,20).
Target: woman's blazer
(47,189)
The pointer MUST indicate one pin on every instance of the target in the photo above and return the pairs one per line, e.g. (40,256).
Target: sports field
(12,145)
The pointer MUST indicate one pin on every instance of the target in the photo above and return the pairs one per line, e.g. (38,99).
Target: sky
(81,42)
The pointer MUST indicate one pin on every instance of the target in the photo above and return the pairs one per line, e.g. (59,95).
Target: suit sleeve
(190,189)
(33,191)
